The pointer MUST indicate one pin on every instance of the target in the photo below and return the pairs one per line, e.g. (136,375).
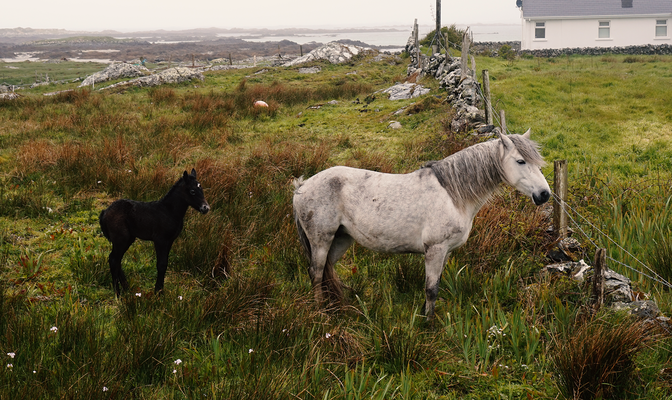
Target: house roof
(592,8)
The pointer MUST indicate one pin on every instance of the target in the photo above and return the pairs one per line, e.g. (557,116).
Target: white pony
(428,211)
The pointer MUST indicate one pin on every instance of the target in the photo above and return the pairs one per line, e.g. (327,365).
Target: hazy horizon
(133,16)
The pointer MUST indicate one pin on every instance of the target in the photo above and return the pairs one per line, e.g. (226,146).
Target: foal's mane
(173,188)
(471,175)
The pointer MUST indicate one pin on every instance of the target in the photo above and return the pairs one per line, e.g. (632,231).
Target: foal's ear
(526,135)
(193,172)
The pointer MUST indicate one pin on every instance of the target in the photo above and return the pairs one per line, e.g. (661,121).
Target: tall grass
(237,317)
(597,359)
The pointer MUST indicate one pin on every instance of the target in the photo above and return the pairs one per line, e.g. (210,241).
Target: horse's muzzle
(204,209)
(541,198)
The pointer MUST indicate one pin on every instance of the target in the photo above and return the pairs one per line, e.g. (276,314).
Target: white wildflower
(54,329)
(250,351)
(138,294)
(178,362)
(105,389)
(328,335)
(11,355)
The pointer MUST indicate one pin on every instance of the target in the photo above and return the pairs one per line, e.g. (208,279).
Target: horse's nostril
(542,197)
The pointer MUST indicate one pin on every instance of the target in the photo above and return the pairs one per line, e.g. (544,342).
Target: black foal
(159,221)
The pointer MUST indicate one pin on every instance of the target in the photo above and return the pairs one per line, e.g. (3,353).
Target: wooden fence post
(301,49)
(437,33)
(465,54)
(502,121)
(599,266)
(560,189)
(416,41)
(488,103)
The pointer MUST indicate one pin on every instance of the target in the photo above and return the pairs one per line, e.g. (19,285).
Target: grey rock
(115,71)
(394,125)
(574,270)
(645,309)
(334,52)
(171,75)
(403,91)
(9,96)
(310,70)
(616,287)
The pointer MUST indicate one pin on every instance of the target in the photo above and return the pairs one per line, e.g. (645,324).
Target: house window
(661,28)
(603,30)
(540,30)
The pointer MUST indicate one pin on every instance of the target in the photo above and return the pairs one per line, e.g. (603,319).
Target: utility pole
(437,35)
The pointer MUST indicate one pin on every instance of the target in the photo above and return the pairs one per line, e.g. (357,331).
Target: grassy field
(502,331)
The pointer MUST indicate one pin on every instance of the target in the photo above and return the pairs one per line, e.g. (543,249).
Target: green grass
(26,73)
(258,334)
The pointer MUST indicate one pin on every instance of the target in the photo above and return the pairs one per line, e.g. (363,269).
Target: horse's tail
(103,224)
(298,182)
(331,284)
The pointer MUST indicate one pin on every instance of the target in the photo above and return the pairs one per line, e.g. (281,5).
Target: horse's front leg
(435,259)
(162,250)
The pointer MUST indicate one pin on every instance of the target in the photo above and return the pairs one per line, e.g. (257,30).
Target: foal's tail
(331,284)
(103,224)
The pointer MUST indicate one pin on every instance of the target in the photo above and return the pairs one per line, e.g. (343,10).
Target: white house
(557,24)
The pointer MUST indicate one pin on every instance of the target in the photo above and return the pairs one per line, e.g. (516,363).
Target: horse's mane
(173,188)
(471,175)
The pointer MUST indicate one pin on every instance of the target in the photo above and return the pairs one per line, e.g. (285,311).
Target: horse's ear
(185,175)
(508,144)
(526,135)
(193,172)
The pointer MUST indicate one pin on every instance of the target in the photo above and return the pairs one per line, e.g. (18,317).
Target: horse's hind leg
(342,241)
(435,259)
(118,278)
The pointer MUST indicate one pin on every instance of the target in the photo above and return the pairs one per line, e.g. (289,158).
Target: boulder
(171,75)
(9,96)
(115,71)
(394,125)
(310,70)
(403,91)
(334,52)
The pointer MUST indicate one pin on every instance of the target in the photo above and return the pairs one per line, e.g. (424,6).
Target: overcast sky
(129,15)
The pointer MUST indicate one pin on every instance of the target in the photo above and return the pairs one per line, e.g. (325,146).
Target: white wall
(584,33)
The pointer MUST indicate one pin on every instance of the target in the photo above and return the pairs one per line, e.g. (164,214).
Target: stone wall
(648,49)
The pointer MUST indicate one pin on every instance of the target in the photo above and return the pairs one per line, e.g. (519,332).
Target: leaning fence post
(502,121)
(560,189)
(488,103)
(600,265)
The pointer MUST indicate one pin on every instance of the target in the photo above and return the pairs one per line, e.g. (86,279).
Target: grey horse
(428,211)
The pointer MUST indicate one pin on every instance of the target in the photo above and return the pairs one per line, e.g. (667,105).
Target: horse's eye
(521,162)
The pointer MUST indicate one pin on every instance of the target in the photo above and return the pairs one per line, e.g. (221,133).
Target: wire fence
(650,274)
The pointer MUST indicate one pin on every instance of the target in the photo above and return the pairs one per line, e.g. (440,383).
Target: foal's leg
(162,251)
(435,260)
(118,277)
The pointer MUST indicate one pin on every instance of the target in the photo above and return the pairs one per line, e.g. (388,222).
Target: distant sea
(396,37)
